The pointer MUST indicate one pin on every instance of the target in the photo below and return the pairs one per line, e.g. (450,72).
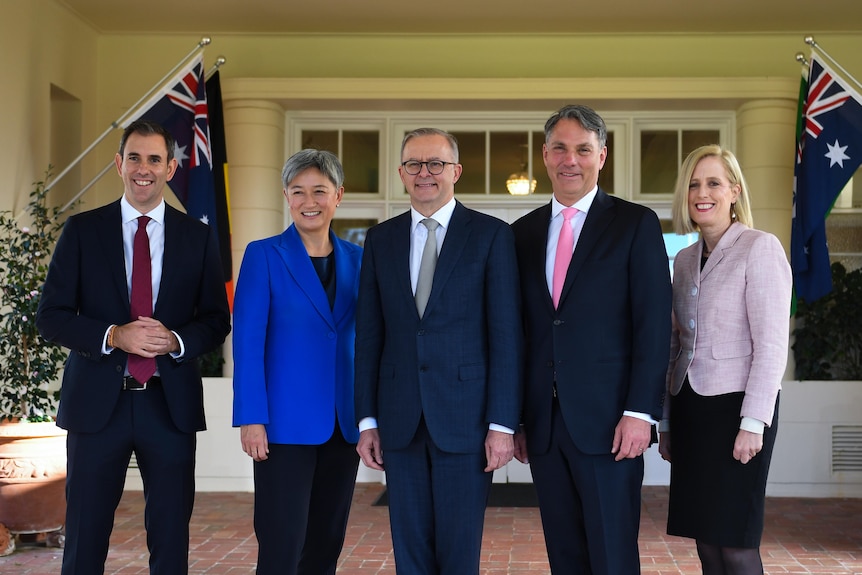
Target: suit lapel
(456,238)
(601,214)
(727,240)
(345,280)
(292,252)
(111,240)
(396,253)
(171,257)
(536,250)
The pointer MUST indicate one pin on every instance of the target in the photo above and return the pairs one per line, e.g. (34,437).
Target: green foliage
(28,364)
(211,363)
(829,331)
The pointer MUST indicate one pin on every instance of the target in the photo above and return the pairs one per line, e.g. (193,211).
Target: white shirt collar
(442,216)
(130,213)
(582,205)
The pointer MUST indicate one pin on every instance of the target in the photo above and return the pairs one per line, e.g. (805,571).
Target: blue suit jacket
(293,355)
(460,365)
(607,341)
(86,291)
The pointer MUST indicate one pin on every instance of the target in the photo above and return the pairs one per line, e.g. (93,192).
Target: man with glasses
(438,361)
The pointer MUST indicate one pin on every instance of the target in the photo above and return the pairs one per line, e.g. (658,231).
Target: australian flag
(828,153)
(181,107)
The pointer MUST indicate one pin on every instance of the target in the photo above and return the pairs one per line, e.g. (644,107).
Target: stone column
(255,148)
(766,136)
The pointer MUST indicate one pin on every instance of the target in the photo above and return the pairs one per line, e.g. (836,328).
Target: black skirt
(714,498)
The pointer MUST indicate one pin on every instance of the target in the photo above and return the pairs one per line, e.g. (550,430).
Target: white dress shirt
(156,234)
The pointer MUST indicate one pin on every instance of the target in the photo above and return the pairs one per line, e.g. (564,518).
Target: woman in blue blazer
(294,331)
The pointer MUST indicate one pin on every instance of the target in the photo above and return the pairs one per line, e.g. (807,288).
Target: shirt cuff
(501,428)
(105,349)
(367,423)
(179,354)
(639,415)
(752,425)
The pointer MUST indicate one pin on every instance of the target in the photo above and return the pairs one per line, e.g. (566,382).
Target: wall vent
(846,448)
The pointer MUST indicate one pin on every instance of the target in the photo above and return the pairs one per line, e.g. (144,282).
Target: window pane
(360,157)
(692,139)
(320,140)
(508,156)
(659,161)
(540,173)
(471,148)
(352,229)
(606,176)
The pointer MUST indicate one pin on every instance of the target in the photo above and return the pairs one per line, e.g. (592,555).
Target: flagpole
(220,61)
(116,123)
(813,43)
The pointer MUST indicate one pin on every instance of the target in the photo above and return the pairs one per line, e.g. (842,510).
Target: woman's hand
(747,445)
(254,441)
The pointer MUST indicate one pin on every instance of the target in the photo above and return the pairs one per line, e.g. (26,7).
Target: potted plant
(828,333)
(32,447)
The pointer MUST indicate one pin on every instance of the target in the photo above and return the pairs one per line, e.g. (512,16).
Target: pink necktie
(141,368)
(565,246)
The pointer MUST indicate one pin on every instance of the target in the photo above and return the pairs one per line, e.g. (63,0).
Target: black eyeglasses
(435,167)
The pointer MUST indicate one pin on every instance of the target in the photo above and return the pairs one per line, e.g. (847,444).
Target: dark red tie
(141,368)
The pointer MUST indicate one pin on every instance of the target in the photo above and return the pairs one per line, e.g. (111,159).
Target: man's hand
(631,438)
(146,337)
(254,441)
(521,447)
(499,448)
(369,449)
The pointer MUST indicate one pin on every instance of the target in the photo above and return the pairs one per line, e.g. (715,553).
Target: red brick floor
(816,536)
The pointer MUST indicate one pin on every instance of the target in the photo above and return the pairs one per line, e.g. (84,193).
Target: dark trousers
(302,496)
(590,506)
(437,506)
(96,474)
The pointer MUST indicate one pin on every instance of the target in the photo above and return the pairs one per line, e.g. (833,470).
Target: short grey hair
(419,132)
(585,116)
(326,162)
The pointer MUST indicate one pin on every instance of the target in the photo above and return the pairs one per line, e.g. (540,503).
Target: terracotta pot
(32,477)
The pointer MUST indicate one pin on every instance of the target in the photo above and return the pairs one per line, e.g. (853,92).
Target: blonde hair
(740,210)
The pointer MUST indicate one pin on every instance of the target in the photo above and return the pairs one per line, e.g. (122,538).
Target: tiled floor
(817,536)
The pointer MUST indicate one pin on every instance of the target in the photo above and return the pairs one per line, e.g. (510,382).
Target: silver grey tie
(426,267)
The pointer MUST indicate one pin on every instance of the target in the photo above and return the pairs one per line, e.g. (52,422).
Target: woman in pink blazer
(731,304)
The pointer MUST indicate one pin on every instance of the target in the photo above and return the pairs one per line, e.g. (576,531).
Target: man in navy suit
(596,352)
(109,413)
(437,391)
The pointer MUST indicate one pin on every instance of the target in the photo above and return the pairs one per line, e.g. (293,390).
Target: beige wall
(40,44)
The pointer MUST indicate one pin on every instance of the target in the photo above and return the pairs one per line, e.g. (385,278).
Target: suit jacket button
(423,368)
(420,332)
(558,322)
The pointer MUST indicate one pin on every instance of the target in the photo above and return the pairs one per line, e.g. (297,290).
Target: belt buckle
(132,384)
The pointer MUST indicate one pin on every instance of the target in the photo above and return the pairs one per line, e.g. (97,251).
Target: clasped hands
(146,337)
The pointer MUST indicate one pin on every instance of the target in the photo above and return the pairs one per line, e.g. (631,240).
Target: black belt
(132,384)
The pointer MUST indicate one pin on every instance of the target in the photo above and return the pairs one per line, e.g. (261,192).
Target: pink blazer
(731,321)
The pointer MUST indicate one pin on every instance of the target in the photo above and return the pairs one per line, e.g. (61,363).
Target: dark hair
(326,162)
(418,132)
(584,115)
(148,128)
